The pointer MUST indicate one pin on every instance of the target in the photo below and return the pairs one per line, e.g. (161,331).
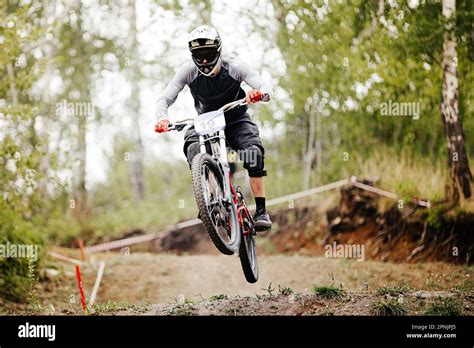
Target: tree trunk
(13,90)
(309,154)
(458,163)
(83,85)
(137,179)
(82,190)
(319,148)
(44,107)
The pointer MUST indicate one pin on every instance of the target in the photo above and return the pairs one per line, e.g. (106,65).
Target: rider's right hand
(162,126)
(253,96)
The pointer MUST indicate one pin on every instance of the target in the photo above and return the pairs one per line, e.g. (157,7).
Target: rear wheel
(218,216)
(247,251)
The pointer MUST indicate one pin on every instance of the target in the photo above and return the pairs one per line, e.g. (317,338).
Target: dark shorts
(241,134)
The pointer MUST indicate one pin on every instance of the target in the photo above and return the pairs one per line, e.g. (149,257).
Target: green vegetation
(184,309)
(285,291)
(329,291)
(270,290)
(464,288)
(447,306)
(387,307)
(218,297)
(18,275)
(395,290)
(234,310)
(111,307)
(107,307)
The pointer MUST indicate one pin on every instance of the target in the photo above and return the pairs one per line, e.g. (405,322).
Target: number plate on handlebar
(209,122)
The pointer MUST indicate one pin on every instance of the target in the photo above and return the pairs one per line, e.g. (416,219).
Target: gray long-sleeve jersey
(211,93)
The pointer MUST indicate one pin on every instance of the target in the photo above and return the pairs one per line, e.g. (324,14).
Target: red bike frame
(242,210)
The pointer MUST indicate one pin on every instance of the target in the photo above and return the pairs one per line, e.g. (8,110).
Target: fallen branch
(415,251)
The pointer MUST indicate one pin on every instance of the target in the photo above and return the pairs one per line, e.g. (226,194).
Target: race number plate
(209,122)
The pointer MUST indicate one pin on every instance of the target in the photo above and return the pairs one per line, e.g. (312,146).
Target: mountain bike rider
(214,80)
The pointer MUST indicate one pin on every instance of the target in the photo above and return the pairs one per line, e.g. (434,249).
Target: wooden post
(80,242)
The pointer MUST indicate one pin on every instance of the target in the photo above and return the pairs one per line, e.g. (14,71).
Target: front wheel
(218,216)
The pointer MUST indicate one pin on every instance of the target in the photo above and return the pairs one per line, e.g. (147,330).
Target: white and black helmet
(205,46)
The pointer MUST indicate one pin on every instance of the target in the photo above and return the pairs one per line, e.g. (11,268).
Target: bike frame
(241,209)
(222,160)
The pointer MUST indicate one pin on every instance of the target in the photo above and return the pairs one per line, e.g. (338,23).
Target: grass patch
(184,309)
(329,291)
(110,307)
(395,290)
(107,307)
(284,290)
(390,307)
(236,310)
(404,172)
(218,297)
(448,306)
(464,288)
(270,290)
(19,275)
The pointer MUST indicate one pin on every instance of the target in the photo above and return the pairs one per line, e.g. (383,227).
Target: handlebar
(180,125)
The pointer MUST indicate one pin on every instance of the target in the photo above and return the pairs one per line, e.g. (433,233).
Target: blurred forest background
(78,82)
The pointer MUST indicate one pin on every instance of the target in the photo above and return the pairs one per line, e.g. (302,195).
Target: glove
(254,96)
(162,126)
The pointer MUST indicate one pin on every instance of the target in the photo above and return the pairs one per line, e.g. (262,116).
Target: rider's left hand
(162,126)
(253,96)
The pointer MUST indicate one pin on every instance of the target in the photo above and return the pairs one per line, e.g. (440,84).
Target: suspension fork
(225,166)
(229,194)
(202,144)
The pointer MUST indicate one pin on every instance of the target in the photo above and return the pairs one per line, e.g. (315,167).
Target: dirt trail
(165,278)
(347,303)
(161,278)
(131,283)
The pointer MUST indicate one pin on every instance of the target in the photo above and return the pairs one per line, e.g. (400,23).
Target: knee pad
(191,151)
(253,158)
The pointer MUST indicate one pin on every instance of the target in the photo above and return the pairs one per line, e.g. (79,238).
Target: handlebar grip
(177,127)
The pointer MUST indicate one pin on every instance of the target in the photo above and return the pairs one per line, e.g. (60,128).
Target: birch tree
(458,163)
(134,73)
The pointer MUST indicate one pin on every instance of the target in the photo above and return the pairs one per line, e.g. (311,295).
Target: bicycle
(222,208)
